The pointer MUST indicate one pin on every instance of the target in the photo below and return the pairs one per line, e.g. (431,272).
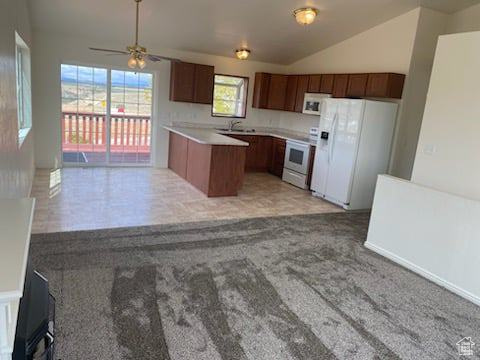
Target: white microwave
(312,103)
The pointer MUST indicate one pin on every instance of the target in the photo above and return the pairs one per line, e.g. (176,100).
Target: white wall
(16,164)
(50,50)
(384,48)
(465,20)
(387,47)
(431,24)
(448,154)
(430,232)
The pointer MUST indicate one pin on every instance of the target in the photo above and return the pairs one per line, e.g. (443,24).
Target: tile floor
(94,198)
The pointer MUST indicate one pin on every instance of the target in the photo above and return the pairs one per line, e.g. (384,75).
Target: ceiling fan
(138,54)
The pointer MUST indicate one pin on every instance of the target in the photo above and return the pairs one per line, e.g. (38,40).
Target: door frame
(107,163)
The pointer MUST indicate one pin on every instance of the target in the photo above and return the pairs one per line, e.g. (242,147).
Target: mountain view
(84,90)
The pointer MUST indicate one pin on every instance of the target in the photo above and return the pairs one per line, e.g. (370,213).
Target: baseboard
(425,273)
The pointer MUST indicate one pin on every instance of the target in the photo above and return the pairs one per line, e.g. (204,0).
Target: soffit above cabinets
(218,27)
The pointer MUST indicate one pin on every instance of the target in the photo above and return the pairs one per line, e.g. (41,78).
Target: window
(131,111)
(106,116)
(24,90)
(230,96)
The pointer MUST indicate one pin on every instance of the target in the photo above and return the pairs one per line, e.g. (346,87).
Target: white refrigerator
(353,147)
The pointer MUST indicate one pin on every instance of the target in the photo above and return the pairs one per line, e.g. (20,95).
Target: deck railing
(88,132)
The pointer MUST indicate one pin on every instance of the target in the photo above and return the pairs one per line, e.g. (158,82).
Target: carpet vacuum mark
(293,287)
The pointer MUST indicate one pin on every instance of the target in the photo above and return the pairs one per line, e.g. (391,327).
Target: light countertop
(211,136)
(281,134)
(15,224)
(205,136)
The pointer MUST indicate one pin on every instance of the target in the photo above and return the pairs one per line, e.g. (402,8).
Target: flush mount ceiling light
(242,54)
(305,16)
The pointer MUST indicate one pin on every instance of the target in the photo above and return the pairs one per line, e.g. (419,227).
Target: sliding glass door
(106,116)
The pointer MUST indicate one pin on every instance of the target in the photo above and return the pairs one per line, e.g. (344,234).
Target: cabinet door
(259,153)
(357,84)
(385,85)
(182,77)
(277,91)
(340,85)
(204,78)
(311,161)
(326,83)
(314,83)
(278,156)
(177,154)
(252,149)
(291,95)
(260,90)
(302,88)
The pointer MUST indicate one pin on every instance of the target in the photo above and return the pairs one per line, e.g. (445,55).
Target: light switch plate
(429,149)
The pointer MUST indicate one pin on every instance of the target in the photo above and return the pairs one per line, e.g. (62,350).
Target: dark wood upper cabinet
(357,85)
(277,91)
(204,78)
(340,85)
(314,82)
(387,85)
(291,94)
(302,88)
(287,92)
(326,83)
(260,90)
(182,79)
(191,82)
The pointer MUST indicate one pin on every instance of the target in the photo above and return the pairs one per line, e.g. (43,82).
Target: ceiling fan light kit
(138,54)
(306,15)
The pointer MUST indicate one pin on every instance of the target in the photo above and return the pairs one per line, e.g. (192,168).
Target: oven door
(296,157)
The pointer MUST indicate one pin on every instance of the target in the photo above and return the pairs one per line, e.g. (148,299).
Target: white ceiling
(267,27)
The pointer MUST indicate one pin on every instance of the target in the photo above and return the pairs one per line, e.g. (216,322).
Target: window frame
(23,75)
(246,80)
(153,107)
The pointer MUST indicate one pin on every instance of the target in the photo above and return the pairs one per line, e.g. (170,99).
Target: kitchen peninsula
(213,163)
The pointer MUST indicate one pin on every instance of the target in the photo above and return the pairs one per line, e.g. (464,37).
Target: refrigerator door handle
(332,137)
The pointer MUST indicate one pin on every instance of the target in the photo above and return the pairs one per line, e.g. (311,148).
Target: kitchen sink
(237,130)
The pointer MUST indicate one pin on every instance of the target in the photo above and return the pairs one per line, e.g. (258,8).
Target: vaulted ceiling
(219,26)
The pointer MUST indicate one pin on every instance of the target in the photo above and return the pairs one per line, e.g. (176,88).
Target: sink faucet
(232,123)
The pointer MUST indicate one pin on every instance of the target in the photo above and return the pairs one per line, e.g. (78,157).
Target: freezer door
(343,149)
(321,164)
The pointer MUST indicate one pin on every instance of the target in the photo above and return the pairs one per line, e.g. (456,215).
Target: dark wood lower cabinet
(278,157)
(216,170)
(311,161)
(259,152)
(177,154)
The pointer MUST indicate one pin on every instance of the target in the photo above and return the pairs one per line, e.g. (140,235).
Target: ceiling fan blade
(120,52)
(152,57)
